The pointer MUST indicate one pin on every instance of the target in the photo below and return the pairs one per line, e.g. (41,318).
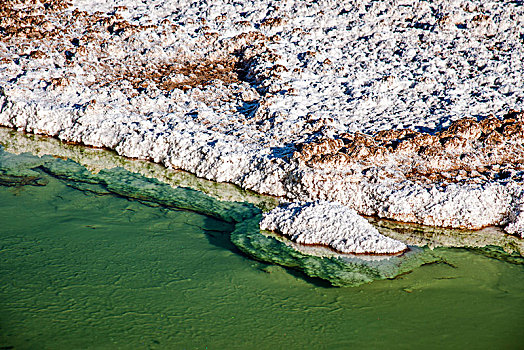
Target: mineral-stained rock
(329,224)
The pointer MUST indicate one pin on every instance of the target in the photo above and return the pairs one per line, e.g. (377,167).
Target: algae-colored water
(87,270)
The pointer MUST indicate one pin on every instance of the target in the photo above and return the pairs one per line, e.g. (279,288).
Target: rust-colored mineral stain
(272,22)
(18,18)
(468,150)
(45,24)
(196,74)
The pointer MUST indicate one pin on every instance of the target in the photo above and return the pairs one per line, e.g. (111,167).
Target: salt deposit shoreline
(96,160)
(230,92)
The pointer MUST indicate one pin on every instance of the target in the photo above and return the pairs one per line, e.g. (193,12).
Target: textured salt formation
(329,224)
(450,178)
(470,206)
(516,225)
(468,151)
(227,90)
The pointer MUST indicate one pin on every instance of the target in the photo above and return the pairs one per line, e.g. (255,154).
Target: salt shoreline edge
(455,206)
(96,160)
(255,162)
(26,169)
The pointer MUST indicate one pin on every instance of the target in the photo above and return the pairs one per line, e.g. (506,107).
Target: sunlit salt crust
(310,69)
(329,224)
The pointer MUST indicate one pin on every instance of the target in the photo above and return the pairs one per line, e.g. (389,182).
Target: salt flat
(357,102)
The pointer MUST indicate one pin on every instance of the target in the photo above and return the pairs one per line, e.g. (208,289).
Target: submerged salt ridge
(340,270)
(227,91)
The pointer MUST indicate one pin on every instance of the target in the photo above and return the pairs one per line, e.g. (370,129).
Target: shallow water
(80,269)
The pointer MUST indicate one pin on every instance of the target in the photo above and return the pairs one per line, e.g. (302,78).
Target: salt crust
(323,69)
(329,224)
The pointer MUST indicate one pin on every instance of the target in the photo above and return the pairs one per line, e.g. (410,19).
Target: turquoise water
(84,268)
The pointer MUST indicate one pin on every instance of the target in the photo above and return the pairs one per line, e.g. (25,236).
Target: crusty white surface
(349,66)
(516,221)
(329,224)
(454,205)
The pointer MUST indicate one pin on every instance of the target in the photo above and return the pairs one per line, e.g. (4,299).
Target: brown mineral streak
(272,22)
(470,149)
(50,24)
(200,74)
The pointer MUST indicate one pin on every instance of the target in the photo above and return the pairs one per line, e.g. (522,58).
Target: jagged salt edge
(228,160)
(330,224)
(471,206)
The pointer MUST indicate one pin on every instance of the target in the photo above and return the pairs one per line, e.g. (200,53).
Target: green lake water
(83,268)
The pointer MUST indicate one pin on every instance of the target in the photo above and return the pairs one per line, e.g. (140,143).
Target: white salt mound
(330,224)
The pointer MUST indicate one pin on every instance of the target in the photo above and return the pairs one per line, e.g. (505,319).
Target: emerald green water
(81,269)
